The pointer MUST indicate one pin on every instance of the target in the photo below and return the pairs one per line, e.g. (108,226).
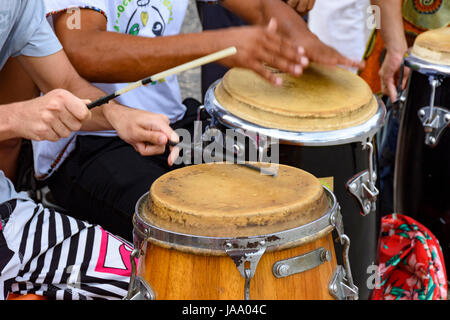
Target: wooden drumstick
(189,65)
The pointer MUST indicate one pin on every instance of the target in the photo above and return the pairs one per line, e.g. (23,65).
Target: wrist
(10,124)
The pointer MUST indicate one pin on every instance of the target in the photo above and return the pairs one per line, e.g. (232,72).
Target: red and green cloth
(411,262)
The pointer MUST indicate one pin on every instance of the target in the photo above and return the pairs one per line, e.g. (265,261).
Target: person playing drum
(42,251)
(104,176)
(401,22)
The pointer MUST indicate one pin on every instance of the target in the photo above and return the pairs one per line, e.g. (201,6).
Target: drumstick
(189,65)
(191,146)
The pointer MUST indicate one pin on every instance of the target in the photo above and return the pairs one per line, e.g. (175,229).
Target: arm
(393,36)
(291,25)
(125,58)
(56,114)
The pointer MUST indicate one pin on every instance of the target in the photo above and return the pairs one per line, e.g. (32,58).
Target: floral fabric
(411,262)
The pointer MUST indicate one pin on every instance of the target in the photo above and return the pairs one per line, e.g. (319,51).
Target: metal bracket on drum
(362,186)
(305,262)
(434,119)
(341,285)
(138,288)
(245,255)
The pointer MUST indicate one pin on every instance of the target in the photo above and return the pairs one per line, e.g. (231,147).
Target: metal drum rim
(147,231)
(426,67)
(359,133)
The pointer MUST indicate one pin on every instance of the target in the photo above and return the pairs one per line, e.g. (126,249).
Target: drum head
(433,46)
(322,99)
(228,200)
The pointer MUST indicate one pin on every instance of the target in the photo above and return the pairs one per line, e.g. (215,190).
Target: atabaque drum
(226,231)
(323,122)
(422,169)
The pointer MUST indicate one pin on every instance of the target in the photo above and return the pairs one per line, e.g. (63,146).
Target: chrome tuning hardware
(362,186)
(434,119)
(138,289)
(246,254)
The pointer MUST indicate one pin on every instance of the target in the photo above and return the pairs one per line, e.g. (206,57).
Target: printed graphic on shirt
(143,17)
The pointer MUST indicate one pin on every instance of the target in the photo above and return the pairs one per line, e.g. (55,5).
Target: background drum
(224,231)
(326,121)
(422,170)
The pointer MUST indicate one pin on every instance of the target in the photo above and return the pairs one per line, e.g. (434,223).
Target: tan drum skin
(187,273)
(433,46)
(322,99)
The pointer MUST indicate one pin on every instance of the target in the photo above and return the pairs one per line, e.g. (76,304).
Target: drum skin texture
(322,99)
(422,173)
(184,272)
(433,46)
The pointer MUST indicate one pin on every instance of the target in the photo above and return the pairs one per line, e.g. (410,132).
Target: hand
(147,132)
(319,52)
(390,74)
(301,6)
(258,45)
(50,117)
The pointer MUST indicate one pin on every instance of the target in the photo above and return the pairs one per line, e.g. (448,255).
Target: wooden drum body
(271,238)
(324,122)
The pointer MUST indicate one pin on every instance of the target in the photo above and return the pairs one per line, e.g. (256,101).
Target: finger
(284,56)
(282,47)
(76,107)
(173,156)
(311,4)
(146,149)
(60,129)
(302,5)
(272,26)
(165,129)
(259,68)
(389,88)
(153,137)
(49,135)
(292,3)
(68,119)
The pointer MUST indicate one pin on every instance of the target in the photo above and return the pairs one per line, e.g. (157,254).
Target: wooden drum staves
(223,231)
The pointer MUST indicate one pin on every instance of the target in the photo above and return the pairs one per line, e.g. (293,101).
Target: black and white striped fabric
(53,255)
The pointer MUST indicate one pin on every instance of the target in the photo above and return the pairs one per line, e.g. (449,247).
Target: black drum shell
(342,162)
(422,173)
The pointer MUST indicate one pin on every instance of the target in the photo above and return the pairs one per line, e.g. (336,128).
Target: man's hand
(50,117)
(258,45)
(301,6)
(390,75)
(147,132)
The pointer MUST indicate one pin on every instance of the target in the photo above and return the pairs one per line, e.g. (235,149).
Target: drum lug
(341,285)
(302,263)
(141,291)
(434,121)
(359,186)
(362,186)
(245,255)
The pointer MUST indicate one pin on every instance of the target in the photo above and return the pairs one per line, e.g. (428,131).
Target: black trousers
(102,179)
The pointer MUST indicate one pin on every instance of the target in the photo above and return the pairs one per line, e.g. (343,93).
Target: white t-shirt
(343,25)
(146,18)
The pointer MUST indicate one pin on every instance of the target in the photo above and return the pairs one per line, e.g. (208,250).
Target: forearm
(392,30)
(261,11)
(9,121)
(136,57)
